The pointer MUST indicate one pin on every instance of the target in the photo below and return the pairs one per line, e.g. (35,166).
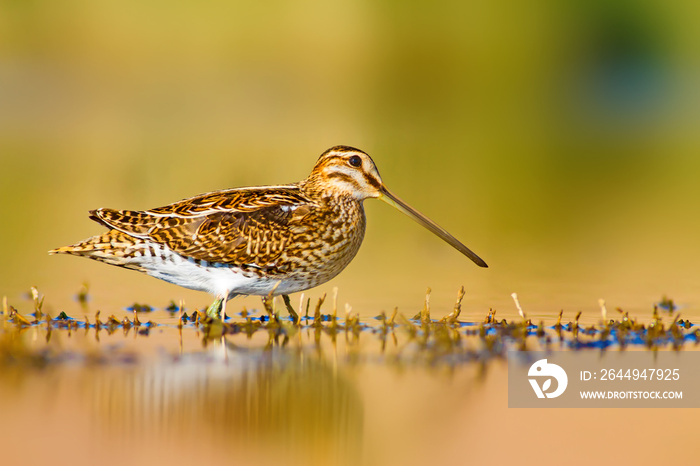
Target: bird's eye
(355,161)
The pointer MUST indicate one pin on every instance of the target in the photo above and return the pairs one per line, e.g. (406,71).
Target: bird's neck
(315,188)
(330,198)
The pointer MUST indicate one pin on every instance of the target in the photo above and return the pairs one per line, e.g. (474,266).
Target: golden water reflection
(169,396)
(315,398)
(250,400)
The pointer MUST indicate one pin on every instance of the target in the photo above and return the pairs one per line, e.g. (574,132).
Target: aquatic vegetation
(421,339)
(136,307)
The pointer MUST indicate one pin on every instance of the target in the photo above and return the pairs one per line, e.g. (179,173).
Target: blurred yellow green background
(558,140)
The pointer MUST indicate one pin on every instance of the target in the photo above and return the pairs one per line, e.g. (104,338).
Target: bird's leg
(292,312)
(224,300)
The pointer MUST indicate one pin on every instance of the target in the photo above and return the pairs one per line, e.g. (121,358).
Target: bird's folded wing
(228,227)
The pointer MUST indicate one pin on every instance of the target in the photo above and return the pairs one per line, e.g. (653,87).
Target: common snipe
(257,240)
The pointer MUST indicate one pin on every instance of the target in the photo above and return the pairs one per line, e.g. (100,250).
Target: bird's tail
(113,247)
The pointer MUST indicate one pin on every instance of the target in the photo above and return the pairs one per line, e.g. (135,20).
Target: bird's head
(348,172)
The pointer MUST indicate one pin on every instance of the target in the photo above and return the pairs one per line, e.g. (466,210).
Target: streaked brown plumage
(253,240)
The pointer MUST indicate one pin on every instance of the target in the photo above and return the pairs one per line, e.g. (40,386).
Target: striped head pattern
(347,171)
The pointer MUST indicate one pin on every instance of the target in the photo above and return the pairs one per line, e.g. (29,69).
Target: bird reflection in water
(267,401)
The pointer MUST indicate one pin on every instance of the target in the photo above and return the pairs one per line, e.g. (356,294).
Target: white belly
(216,279)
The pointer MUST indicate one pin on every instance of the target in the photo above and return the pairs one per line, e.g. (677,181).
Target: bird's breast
(325,240)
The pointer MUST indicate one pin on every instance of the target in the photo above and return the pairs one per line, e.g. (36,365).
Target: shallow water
(354,393)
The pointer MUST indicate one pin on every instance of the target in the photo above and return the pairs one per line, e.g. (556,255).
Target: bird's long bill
(394,201)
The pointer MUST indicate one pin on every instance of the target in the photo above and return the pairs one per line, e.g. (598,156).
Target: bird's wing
(244,227)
